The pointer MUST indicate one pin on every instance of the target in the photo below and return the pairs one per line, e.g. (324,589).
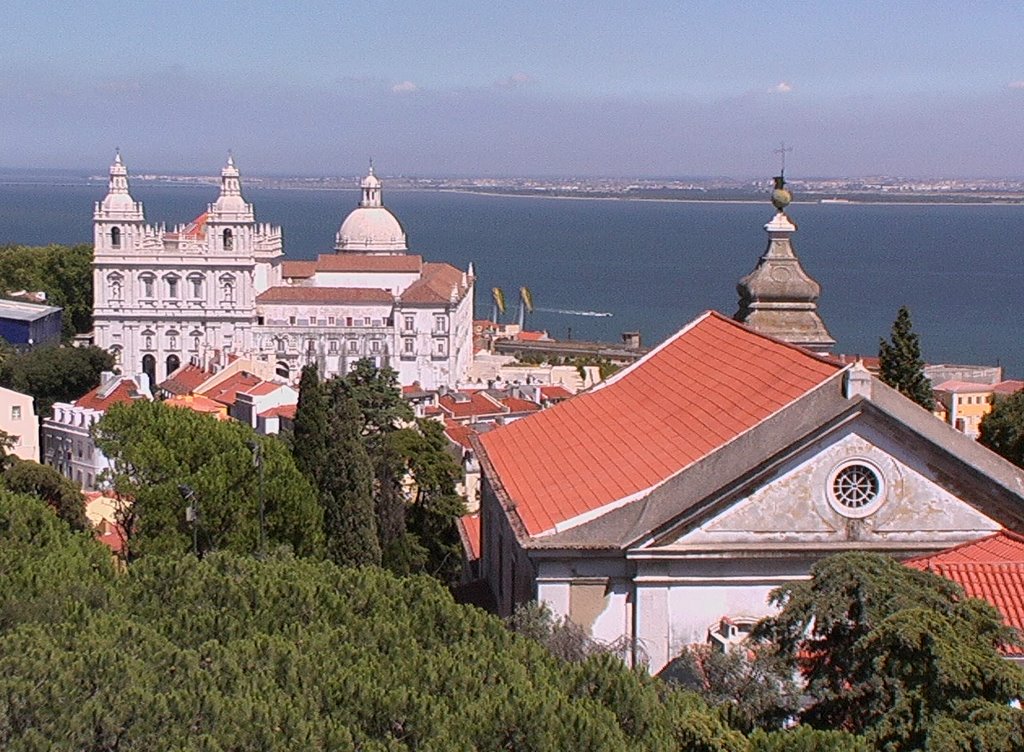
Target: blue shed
(29,324)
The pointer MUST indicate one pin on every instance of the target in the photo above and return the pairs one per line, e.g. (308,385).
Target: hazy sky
(668,88)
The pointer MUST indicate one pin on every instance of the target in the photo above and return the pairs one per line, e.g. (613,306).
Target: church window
(173,364)
(229,240)
(195,282)
(172,286)
(856,489)
(147,285)
(115,237)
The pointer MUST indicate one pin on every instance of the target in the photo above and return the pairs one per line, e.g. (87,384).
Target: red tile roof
(554,392)
(435,285)
(352,262)
(532,336)
(516,405)
(963,386)
(1008,387)
(186,379)
(281,411)
(289,294)
(198,403)
(111,535)
(458,433)
(263,388)
(125,391)
(471,404)
(696,392)
(227,391)
(991,569)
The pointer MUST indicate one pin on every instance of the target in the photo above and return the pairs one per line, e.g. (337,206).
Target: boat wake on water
(598,314)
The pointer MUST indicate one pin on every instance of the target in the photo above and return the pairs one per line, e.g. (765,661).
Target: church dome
(371,227)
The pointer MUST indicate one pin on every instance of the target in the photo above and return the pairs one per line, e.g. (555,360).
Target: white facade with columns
(163,298)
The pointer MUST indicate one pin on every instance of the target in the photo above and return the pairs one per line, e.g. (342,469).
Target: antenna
(781,151)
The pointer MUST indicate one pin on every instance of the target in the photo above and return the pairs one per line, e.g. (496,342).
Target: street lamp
(257,461)
(191,514)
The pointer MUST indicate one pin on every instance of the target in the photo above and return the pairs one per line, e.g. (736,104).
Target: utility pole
(191,514)
(257,462)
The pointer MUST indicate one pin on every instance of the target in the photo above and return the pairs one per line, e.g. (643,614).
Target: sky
(618,89)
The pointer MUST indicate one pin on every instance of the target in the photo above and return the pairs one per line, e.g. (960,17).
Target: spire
(118,205)
(118,175)
(230,185)
(230,206)
(779,298)
(371,186)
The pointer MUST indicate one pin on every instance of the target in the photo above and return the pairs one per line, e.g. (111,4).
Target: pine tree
(346,490)
(900,362)
(309,434)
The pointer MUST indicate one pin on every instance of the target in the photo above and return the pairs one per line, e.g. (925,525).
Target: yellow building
(963,404)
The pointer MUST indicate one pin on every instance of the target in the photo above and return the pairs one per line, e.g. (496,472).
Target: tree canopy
(42,481)
(894,653)
(54,374)
(900,363)
(233,652)
(64,273)
(1002,430)
(156,450)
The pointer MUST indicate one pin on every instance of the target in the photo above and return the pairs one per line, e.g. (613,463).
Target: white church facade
(221,283)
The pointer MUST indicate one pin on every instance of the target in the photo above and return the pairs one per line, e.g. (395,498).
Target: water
(653,265)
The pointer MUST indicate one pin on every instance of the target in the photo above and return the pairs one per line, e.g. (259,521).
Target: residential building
(220,283)
(67,442)
(19,421)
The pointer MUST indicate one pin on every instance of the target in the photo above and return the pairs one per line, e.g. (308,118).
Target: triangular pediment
(856,486)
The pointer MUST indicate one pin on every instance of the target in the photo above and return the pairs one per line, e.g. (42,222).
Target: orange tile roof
(696,392)
(469,532)
(111,535)
(531,336)
(991,569)
(199,404)
(294,269)
(125,391)
(227,391)
(263,388)
(291,294)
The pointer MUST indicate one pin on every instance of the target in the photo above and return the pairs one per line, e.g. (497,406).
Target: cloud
(782,87)
(405,87)
(1017,84)
(514,81)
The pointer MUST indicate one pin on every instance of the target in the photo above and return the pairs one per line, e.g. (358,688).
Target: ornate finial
(780,195)
(117,155)
(781,151)
(231,158)
(371,165)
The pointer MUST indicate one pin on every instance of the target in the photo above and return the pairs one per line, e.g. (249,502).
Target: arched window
(229,240)
(173,364)
(115,237)
(149,368)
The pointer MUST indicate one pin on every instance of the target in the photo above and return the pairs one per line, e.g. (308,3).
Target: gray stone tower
(778,298)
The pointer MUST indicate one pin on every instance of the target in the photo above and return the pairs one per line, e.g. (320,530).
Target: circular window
(855,489)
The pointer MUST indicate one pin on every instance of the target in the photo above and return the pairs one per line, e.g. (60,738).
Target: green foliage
(54,374)
(890,651)
(807,739)
(63,273)
(750,685)
(900,362)
(376,393)
(346,492)
(1002,430)
(309,429)
(155,449)
(238,653)
(42,481)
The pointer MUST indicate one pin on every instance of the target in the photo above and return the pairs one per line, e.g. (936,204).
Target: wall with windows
(18,420)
